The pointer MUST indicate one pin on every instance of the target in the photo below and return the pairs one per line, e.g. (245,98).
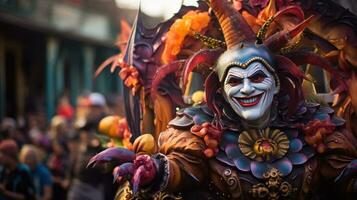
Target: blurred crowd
(47,160)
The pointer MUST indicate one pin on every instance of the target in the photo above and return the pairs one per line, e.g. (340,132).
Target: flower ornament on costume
(265,145)
(258,152)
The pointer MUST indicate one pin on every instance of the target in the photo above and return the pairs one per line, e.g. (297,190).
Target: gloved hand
(140,170)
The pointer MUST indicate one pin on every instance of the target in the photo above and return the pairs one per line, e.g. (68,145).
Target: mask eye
(234,81)
(257,77)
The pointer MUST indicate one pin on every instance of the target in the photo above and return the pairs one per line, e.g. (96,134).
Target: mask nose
(247,87)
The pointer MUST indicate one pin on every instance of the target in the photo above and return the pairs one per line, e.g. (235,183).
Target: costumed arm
(178,163)
(179,160)
(186,163)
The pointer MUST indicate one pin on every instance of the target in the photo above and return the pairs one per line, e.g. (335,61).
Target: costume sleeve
(186,161)
(179,159)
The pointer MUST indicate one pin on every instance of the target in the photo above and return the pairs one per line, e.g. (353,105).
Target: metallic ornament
(210,42)
(263,145)
(273,188)
(263,30)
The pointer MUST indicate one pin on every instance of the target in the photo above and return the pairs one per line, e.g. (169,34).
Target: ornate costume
(255,136)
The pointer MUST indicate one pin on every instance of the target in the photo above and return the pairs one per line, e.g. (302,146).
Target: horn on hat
(234,27)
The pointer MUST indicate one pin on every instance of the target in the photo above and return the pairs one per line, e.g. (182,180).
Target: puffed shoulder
(183,141)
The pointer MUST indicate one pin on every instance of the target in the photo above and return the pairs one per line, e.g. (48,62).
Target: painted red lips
(249,101)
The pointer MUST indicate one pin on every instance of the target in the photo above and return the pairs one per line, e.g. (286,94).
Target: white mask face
(250,91)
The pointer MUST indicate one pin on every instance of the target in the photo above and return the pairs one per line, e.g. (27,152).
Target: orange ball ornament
(117,129)
(109,126)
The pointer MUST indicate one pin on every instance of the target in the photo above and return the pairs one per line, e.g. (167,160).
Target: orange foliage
(256,22)
(190,23)
(267,12)
(130,76)
(251,20)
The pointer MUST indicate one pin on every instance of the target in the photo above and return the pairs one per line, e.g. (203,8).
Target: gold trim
(262,60)
(263,30)
(210,42)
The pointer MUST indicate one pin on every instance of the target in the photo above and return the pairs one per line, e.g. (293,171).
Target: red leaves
(316,131)
(211,136)
(129,74)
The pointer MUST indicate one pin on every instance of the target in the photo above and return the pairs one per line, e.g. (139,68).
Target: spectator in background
(82,109)
(97,111)
(115,105)
(65,109)
(59,167)
(59,129)
(15,179)
(34,130)
(87,182)
(41,177)
(91,183)
(38,132)
(8,127)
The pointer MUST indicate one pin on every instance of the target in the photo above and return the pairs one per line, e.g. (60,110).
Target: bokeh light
(156,8)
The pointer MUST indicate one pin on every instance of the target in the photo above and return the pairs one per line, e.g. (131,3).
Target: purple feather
(124,170)
(118,154)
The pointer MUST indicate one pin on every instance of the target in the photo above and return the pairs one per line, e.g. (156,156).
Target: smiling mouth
(249,101)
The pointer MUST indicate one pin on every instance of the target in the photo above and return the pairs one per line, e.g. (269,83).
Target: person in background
(59,167)
(87,182)
(41,176)
(91,183)
(35,132)
(65,109)
(81,111)
(97,110)
(59,129)
(8,128)
(15,179)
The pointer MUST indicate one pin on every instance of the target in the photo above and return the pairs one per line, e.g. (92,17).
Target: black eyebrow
(234,77)
(259,72)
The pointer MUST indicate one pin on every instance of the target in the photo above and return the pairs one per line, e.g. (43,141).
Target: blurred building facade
(51,48)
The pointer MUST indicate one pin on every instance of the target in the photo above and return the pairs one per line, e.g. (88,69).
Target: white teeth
(250,100)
